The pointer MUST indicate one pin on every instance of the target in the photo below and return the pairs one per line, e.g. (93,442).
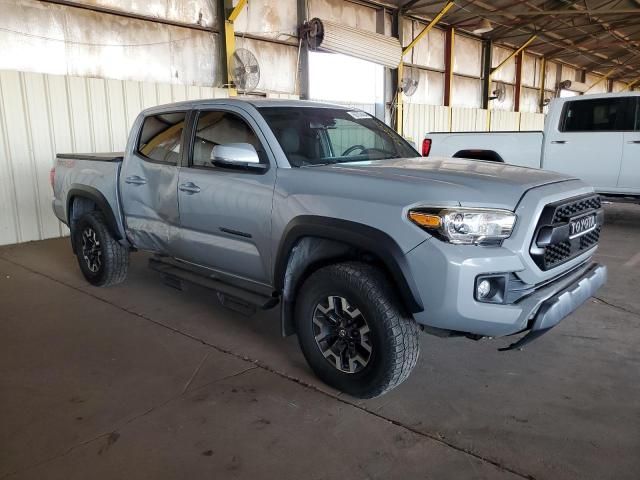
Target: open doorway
(346,80)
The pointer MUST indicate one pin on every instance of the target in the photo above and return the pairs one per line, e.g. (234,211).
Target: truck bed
(93,176)
(517,148)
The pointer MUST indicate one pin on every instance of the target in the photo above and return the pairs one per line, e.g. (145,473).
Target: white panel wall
(57,39)
(508,72)
(352,14)
(468,120)
(43,114)
(504,121)
(531,121)
(596,83)
(421,119)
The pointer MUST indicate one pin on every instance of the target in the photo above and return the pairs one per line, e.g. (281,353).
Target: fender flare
(101,202)
(357,235)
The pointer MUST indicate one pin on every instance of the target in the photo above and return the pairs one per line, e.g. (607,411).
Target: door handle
(633,141)
(561,142)
(189,188)
(135,180)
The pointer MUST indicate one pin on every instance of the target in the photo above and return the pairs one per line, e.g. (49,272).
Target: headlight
(465,226)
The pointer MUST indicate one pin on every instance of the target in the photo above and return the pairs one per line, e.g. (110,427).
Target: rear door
(225,213)
(149,182)
(629,180)
(587,141)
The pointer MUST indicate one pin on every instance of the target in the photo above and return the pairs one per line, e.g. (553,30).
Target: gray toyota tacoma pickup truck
(327,213)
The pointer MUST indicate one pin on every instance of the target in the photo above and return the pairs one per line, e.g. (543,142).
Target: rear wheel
(353,331)
(103,261)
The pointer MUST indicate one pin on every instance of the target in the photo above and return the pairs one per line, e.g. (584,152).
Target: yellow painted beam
(236,10)
(513,54)
(230,47)
(502,64)
(230,42)
(407,49)
(602,79)
(629,85)
(161,137)
(426,29)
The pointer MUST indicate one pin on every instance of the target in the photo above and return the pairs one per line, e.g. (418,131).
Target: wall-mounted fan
(245,70)
(499,93)
(409,82)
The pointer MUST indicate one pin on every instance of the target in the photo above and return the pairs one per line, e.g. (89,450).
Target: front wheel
(102,259)
(353,332)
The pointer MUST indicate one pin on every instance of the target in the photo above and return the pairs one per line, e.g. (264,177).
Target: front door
(225,213)
(629,181)
(148,183)
(587,142)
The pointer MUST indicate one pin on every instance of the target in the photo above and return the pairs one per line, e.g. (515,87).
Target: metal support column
(303,60)
(230,15)
(487,47)
(396,74)
(501,65)
(518,86)
(380,103)
(543,77)
(449,40)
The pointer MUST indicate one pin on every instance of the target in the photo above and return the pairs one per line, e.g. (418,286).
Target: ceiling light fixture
(483,27)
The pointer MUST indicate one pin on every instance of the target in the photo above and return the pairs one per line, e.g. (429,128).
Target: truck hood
(469,182)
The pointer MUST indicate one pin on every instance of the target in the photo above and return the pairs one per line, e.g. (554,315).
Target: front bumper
(560,305)
(445,275)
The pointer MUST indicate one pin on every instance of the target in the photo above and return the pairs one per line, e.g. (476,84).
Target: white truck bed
(592,137)
(517,148)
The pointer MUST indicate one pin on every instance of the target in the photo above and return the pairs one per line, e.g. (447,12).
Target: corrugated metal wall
(420,119)
(43,114)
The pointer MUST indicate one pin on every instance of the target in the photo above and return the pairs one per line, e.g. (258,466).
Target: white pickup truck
(593,137)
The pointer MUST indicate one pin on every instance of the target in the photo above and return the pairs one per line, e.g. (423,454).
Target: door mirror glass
(236,155)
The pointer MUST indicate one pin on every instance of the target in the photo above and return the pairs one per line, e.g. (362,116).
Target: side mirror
(236,155)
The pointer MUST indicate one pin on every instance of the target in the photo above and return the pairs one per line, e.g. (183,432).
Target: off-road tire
(393,335)
(114,258)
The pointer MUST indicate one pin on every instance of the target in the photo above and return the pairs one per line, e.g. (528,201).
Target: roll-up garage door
(323,35)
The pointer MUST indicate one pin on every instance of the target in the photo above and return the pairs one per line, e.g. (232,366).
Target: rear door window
(598,115)
(161,137)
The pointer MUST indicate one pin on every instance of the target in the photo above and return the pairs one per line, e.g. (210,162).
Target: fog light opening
(483,290)
(491,288)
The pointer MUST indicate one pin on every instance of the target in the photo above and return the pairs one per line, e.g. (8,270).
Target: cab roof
(257,102)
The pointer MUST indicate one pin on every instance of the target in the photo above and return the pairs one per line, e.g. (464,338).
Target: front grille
(565,211)
(556,217)
(556,254)
(590,239)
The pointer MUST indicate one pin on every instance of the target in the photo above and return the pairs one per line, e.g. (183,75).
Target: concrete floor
(143,381)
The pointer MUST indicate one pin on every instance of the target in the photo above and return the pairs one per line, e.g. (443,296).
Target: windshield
(312,136)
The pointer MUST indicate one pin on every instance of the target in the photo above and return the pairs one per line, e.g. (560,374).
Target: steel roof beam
(536,13)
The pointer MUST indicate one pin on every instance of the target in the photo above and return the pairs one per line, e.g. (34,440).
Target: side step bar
(174,274)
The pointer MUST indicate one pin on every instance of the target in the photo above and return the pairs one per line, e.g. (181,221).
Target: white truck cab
(593,137)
